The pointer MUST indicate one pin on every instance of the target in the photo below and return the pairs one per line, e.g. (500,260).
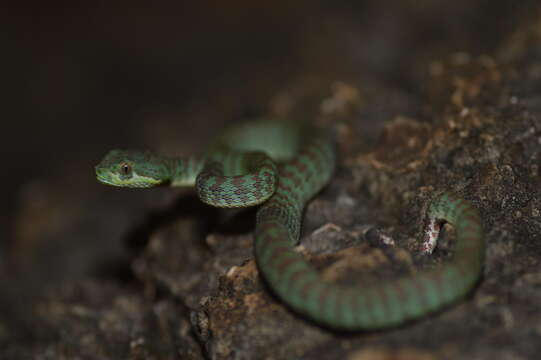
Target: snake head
(132,168)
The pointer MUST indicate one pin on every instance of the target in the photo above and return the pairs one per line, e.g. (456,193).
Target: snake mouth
(103,177)
(105,180)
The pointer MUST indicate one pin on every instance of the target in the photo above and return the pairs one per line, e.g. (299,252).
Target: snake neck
(184,171)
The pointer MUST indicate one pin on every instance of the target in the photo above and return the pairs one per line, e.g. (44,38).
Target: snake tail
(378,306)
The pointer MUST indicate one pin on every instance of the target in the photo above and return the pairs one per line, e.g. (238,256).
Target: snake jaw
(136,181)
(102,175)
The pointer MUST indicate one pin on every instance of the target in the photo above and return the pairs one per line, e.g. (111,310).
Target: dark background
(80,79)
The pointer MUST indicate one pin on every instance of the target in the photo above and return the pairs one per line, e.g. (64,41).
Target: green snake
(282,166)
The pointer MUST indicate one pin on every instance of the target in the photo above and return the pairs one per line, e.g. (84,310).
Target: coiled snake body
(282,167)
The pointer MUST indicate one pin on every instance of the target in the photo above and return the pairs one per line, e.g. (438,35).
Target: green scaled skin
(282,167)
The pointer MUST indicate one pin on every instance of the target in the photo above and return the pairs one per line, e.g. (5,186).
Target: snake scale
(282,166)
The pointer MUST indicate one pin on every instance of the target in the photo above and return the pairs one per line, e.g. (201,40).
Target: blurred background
(80,79)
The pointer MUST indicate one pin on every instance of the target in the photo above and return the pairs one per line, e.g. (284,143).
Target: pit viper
(280,167)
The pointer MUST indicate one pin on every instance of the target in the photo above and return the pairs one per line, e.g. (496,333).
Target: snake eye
(125,169)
